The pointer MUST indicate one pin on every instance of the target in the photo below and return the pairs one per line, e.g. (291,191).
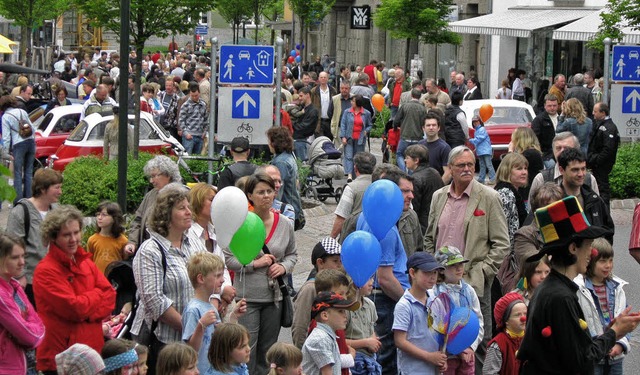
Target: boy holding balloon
(461,294)
(416,342)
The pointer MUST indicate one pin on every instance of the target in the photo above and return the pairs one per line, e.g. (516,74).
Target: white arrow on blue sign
(246,104)
(631,100)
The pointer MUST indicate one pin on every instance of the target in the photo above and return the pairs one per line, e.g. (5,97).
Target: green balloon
(249,239)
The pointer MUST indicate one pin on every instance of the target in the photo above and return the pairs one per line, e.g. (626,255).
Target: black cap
(239,144)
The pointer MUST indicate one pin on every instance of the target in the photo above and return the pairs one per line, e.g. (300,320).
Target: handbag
(286,318)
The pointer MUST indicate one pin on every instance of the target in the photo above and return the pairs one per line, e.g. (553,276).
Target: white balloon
(228,211)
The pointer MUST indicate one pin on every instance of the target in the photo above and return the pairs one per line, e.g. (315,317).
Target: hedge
(624,179)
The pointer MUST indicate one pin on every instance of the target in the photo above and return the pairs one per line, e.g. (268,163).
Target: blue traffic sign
(630,99)
(246,64)
(626,63)
(202,30)
(245,103)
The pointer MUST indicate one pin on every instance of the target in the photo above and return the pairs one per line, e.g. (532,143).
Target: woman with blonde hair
(525,142)
(574,119)
(504,92)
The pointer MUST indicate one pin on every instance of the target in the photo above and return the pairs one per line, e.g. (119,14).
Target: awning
(586,28)
(520,22)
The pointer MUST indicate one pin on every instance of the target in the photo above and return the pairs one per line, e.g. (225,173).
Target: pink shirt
(451,223)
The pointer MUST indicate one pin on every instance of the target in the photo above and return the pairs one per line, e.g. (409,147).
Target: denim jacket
(346,124)
(591,309)
(582,131)
(286,164)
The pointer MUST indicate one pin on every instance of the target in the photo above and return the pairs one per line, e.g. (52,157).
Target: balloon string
(242,279)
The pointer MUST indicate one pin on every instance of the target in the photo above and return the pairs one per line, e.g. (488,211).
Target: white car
(88,139)
(507,116)
(53,129)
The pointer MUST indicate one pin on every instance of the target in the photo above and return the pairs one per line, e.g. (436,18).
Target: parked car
(507,116)
(53,129)
(88,139)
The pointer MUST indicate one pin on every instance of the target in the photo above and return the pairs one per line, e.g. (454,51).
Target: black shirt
(569,349)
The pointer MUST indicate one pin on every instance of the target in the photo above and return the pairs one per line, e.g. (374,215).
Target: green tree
(30,14)
(617,15)
(310,12)
(273,12)
(234,12)
(148,18)
(424,20)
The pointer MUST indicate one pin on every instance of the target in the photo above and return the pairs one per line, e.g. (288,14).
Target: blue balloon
(298,58)
(382,206)
(360,256)
(463,330)
(297,46)
(302,46)
(293,53)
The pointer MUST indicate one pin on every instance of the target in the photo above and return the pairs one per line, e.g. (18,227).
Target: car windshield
(507,115)
(79,132)
(45,122)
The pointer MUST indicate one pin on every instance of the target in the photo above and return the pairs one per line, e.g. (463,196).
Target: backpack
(24,128)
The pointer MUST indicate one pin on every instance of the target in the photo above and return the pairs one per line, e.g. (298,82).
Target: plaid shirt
(159,291)
(193,117)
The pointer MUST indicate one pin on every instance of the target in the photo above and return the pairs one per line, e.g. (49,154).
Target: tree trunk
(256,21)
(136,100)
(24,37)
(407,58)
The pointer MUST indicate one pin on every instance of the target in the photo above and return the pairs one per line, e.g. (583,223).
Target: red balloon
(297,53)
(378,102)
(291,59)
(486,111)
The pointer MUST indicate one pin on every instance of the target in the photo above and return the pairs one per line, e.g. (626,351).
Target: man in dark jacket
(544,126)
(239,150)
(603,148)
(305,125)
(581,93)
(573,167)
(456,130)
(321,96)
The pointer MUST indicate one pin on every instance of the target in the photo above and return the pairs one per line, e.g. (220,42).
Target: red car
(88,139)
(507,116)
(53,129)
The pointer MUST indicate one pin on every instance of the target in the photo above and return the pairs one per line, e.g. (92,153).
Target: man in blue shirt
(391,278)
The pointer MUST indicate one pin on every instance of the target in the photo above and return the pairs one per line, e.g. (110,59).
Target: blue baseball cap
(423,261)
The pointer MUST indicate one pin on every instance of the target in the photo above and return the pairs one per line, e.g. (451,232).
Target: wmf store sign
(361,17)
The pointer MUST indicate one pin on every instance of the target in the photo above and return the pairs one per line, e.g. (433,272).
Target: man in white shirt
(321,96)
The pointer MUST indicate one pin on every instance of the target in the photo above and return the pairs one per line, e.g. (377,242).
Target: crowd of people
(514,250)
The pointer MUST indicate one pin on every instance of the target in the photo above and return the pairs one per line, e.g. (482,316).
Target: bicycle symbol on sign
(633,122)
(245,127)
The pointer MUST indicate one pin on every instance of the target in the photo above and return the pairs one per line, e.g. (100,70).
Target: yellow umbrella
(5,44)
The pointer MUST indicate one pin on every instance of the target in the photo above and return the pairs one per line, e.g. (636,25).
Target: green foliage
(303,173)
(311,11)
(381,120)
(32,13)
(626,172)
(7,192)
(148,18)
(426,20)
(88,181)
(612,22)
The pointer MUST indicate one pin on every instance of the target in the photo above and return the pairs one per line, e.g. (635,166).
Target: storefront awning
(586,28)
(519,22)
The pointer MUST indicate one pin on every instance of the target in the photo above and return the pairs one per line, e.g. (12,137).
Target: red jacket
(19,330)
(73,297)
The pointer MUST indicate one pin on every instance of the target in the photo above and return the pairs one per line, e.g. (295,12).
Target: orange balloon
(378,102)
(486,111)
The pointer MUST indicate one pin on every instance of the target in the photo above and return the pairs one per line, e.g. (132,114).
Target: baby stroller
(325,164)
(120,275)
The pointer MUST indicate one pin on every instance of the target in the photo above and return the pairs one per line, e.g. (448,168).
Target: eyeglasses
(264,193)
(463,165)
